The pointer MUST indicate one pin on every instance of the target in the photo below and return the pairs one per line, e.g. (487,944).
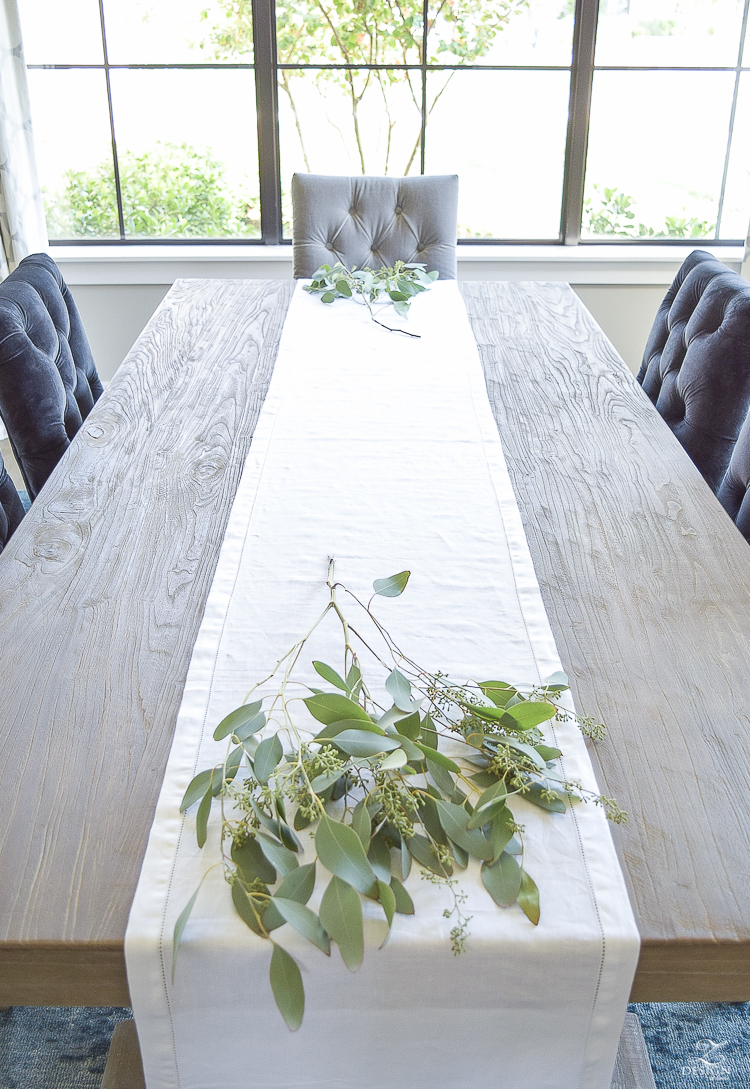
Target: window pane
(348,122)
(61,33)
(74,160)
(669,32)
(188,165)
(645,177)
(349,33)
(509,161)
(178,31)
(736,210)
(501,32)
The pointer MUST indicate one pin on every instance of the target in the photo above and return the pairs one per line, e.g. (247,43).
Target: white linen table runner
(381,451)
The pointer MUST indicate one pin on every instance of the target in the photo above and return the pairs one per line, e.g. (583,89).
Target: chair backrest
(373,222)
(11,507)
(696,367)
(734,491)
(48,380)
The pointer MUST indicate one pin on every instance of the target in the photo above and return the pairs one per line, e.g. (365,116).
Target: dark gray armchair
(372,222)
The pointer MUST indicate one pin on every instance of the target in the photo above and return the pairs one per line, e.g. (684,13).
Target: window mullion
(733,114)
(266,96)
(581,81)
(115,159)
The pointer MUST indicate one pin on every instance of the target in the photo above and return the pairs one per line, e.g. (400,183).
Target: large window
(598,120)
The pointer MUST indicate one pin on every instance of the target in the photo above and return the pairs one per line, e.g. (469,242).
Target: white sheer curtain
(22,225)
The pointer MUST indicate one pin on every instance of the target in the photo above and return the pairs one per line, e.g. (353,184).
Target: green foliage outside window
(170,191)
(357,32)
(608,212)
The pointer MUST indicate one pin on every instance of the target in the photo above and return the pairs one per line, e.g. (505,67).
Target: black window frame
(265,66)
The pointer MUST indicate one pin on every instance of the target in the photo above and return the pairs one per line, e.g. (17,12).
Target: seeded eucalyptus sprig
(397,284)
(377,792)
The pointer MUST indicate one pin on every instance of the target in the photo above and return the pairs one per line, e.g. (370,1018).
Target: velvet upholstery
(696,367)
(371,222)
(48,381)
(11,507)
(734,491)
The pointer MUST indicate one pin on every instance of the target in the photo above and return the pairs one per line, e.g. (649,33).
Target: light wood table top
(645,579)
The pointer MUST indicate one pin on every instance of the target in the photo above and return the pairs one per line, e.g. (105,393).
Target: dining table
(645,579)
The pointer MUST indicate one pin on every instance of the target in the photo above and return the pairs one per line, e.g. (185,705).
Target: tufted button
(399,209)
(352,211)
(420,247)
(329,246)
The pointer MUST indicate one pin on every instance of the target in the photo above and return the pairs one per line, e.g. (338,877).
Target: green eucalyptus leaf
(252,863)
(201,818)
(244,733)
(336,728)
(483,778)
(557,681)
(387,899)
(404,902)
(303,920)
(279,856)
(299,884)
(500,831)
(527,715)
(534,795)
(393,586)
(410,726)
(341,915)
(421,849)
(236,719)
(497,691)
(502,879)
(547,753)
(363,744)
(362,823)
(180,925)
(435,757)
(244,908)
(428,735)
(379,857)
(354,679)
(399,689)
(460,855)
(199,785)
(286,983)
(322,782)
(329,707)
(440,776)
(327,297)
(330,675)
(454,820)
(340,850)
(396,759)
(528,898)
(267,756)
(405,860)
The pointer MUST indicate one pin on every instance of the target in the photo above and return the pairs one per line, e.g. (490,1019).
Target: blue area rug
(55,1048)
(691,1045)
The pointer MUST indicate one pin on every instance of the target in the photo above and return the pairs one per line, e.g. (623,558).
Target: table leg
(632,1069)
(124,1069)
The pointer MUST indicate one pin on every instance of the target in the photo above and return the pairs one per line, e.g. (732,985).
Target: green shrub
(172,190)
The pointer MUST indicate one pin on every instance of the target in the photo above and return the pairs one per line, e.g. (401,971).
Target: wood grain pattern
(645,579)
(101,593)
(646,582)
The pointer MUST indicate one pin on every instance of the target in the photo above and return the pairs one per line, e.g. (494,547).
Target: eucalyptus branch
(397,285)
(378,792)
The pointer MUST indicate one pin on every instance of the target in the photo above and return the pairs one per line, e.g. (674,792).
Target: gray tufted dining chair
(11,507)
(373,221)
(696,366)
(48,380)
(734,491)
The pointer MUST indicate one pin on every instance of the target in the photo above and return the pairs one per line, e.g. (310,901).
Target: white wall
(118,288)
